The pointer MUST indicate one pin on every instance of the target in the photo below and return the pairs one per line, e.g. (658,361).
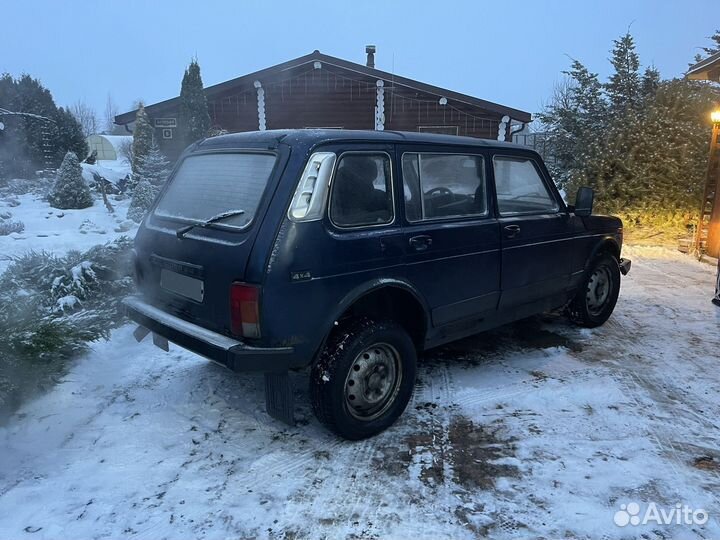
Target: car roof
(313,137)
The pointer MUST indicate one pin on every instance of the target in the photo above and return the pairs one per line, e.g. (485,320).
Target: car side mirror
(584,201)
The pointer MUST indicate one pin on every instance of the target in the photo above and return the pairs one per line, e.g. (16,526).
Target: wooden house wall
(332,97)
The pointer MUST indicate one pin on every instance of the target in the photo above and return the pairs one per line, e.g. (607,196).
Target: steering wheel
(438,192)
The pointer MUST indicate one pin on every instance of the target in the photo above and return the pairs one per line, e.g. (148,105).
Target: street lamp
(715,117)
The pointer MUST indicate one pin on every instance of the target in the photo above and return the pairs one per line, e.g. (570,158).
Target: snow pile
(112,171)
(59,231)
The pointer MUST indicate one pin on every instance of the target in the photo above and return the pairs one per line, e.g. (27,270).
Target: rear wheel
(364,377)
(598,294)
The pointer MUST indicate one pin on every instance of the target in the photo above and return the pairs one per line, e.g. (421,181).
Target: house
(706,70)
(322,91)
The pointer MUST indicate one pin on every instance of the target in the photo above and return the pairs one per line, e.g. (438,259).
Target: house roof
(706,70)
(315,56)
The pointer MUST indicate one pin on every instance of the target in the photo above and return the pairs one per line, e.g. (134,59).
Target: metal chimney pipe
(370,50)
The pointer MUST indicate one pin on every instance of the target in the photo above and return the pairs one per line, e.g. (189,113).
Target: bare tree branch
(86,117)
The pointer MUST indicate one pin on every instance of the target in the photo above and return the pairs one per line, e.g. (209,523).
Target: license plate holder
(182,285)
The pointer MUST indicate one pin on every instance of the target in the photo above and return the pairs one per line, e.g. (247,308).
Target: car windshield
(209,184)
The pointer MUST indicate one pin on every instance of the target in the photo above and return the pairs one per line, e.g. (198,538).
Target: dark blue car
(351,252)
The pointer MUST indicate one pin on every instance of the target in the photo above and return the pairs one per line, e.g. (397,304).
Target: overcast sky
(508,52)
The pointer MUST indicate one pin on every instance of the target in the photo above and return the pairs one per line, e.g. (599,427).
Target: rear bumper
(625,266)
(225,350)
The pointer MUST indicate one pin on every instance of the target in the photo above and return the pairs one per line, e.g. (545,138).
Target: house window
(438,186)
(362,190)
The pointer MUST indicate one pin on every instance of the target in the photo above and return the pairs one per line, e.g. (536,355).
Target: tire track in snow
(656,396)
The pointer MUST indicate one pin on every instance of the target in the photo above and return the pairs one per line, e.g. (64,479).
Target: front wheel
(364,377)
(598,293)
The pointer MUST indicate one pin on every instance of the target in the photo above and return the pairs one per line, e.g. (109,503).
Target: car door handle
(421,242)
(511,231)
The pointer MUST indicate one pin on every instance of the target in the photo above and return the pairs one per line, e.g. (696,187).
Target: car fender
(606,243)
(366,288)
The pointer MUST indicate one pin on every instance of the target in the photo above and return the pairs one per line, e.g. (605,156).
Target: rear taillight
(245,310)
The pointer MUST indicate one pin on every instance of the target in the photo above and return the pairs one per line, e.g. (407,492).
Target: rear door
(536,231)
(364,236)
(191,276)
(452,244)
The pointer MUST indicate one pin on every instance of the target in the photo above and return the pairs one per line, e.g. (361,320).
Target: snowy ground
(538,429)
(60,231)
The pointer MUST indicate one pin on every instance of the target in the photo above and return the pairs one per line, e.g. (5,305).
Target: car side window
(440,186)
(362,191)
(520,188)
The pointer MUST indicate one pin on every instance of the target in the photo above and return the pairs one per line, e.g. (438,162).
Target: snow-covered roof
(706,70)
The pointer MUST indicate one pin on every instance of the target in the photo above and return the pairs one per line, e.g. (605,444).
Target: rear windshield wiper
(182,231)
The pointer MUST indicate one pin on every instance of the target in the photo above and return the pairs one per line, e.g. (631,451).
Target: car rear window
(209,184)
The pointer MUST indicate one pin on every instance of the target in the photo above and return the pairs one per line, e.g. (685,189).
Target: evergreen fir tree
(154,167)
(672,154)
(574,123)
(715,48)
(623,87)
(70,136)
(150,176)
(14,158)
(142,138)
(143,196)
(194,120)
(34,98)
(24,139)
(70,190)
(641,142)
(650,82)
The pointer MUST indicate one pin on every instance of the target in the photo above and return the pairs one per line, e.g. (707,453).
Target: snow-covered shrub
(7,227)
(143,197)
(16,186)
(154,167)
(52,306)
(70,190)
(152,171)
(142,138)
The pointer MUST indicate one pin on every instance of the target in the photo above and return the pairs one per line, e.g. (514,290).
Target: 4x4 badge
(300,276)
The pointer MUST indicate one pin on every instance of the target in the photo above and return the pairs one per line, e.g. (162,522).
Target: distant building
(321,91)
(706,70)
(108,147)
